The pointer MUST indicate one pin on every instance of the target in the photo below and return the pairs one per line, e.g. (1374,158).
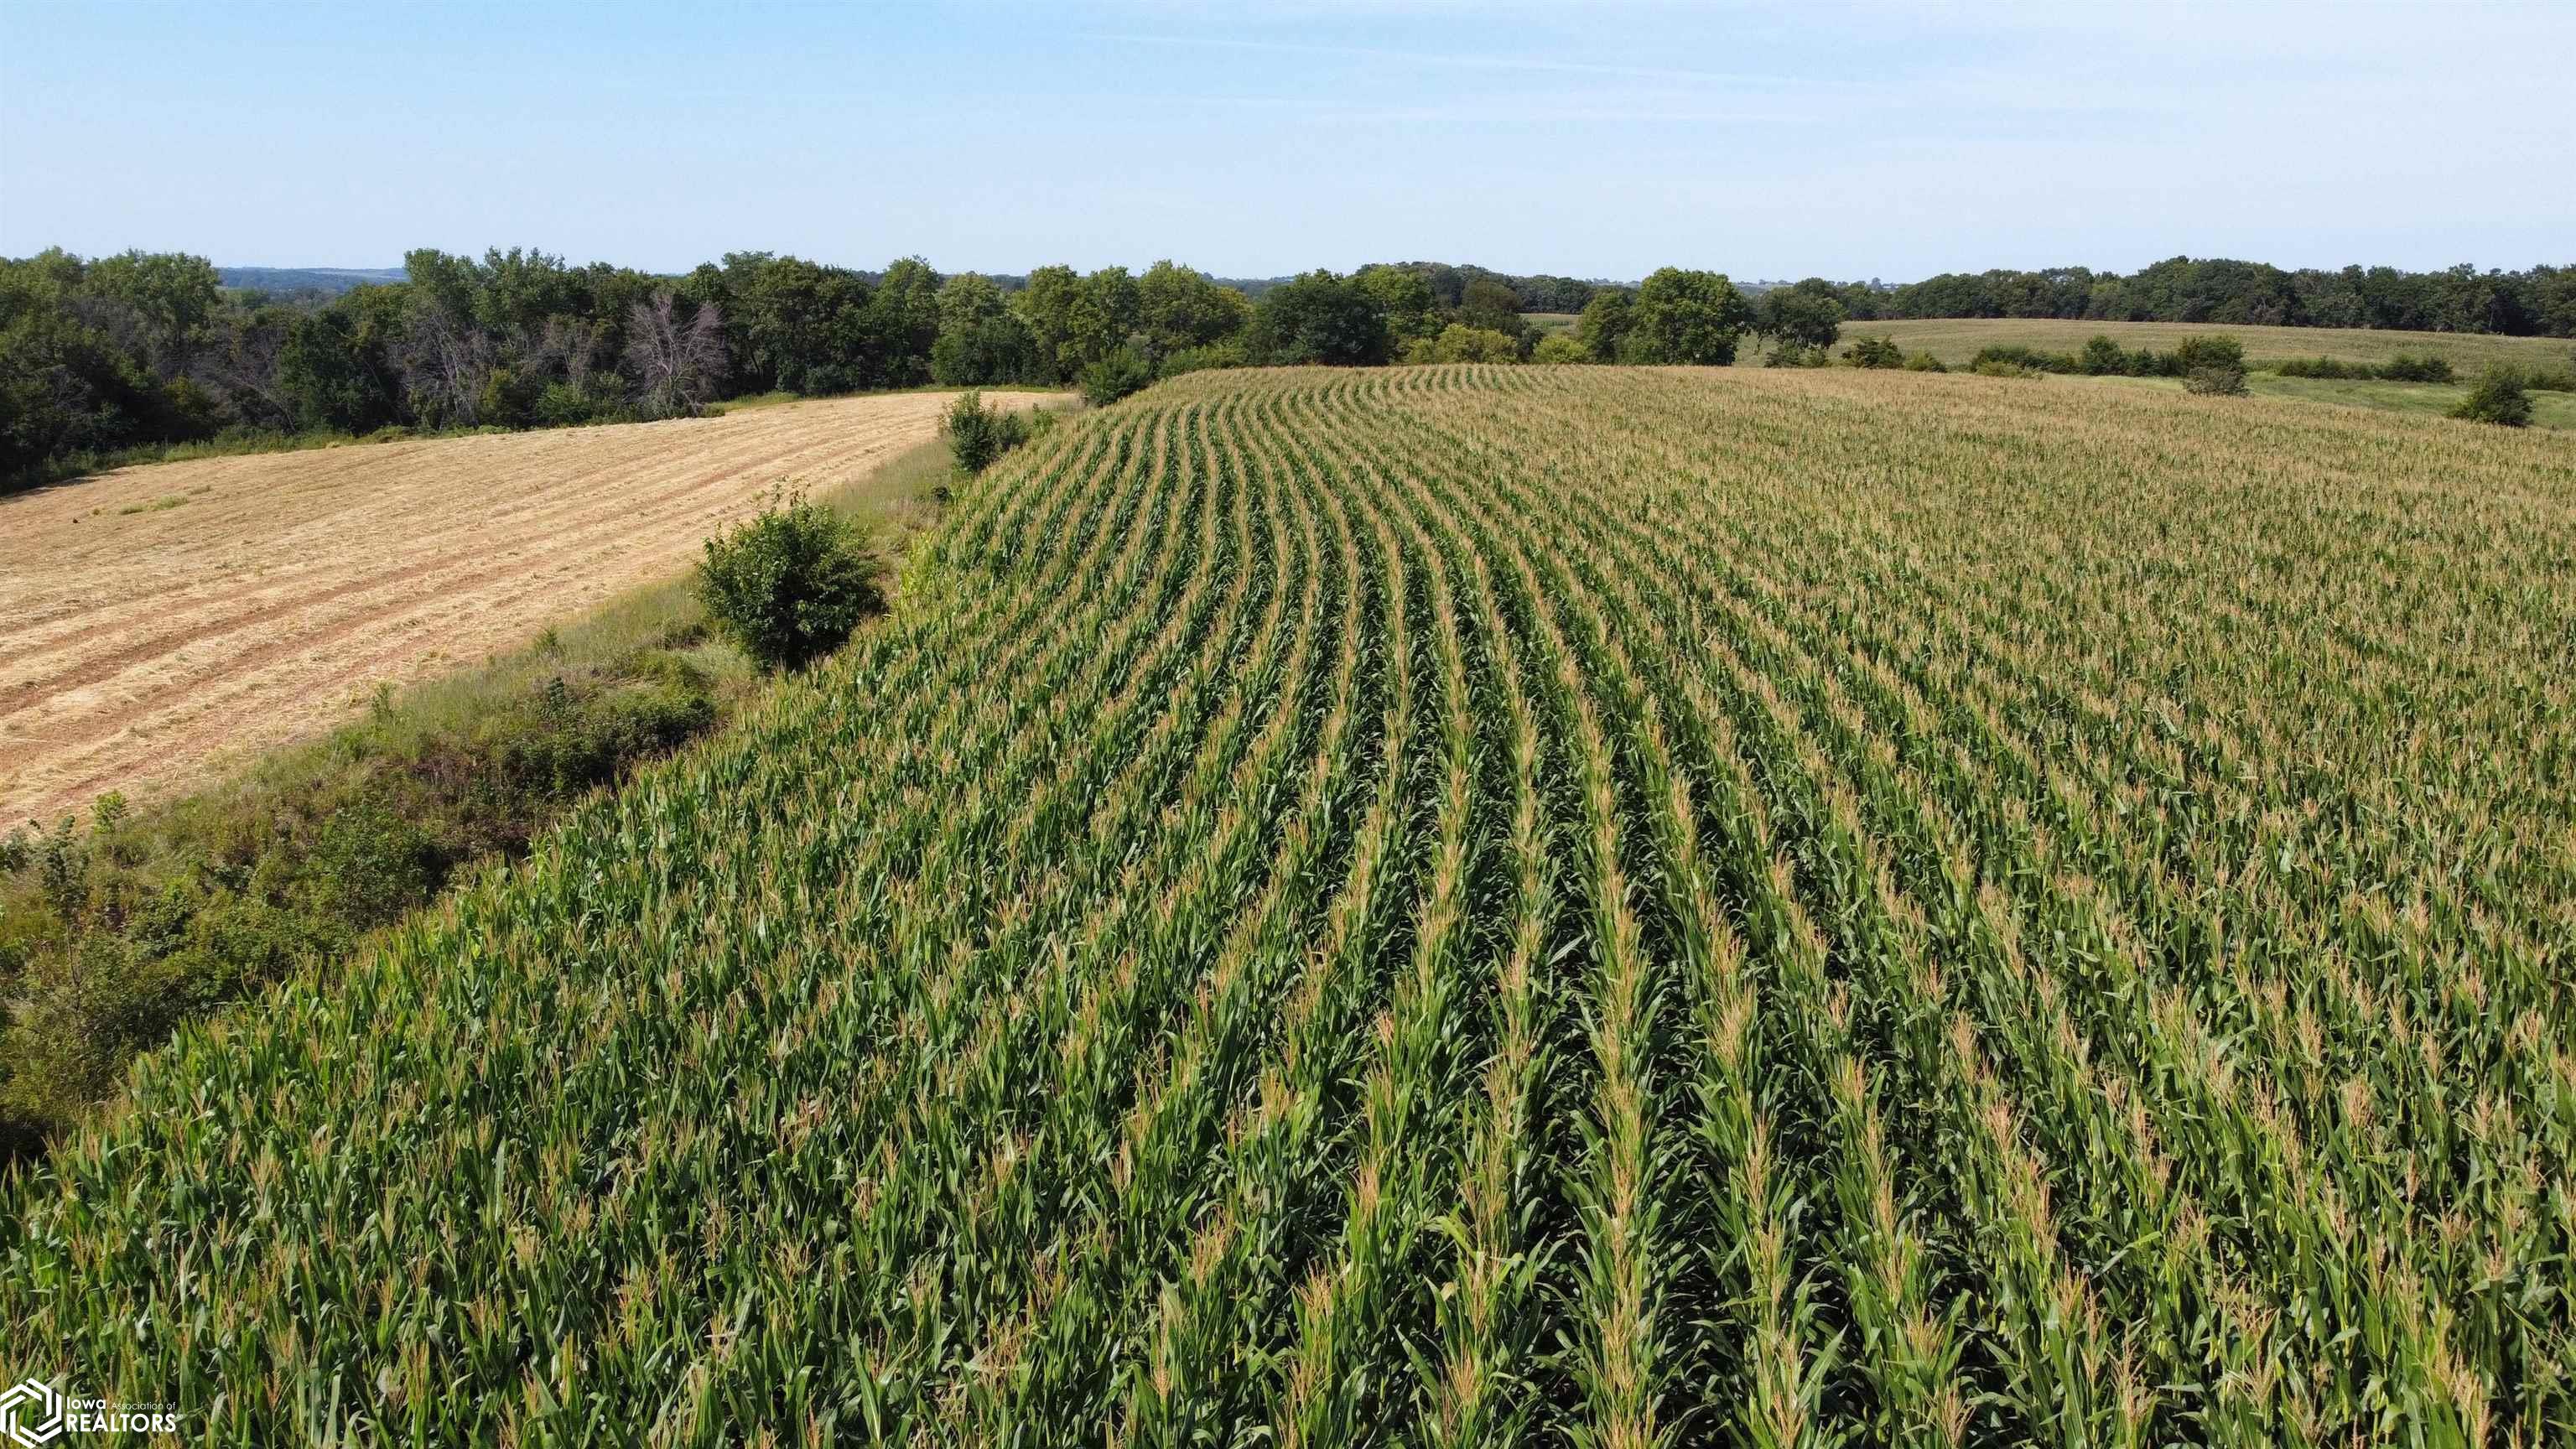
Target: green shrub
(2501,397)
(2103,356)
(790,584)
(1557,349)
(1924,362)
(508,400)
(2561,379)
(1459,342)
(2403,368)
(1117,375)
(370,864)
(1795,354)
(1874,352)
(80,1017)
(977,435)
(1201,359)
(2215,380)
(566,743)
(1985,366)
(2014,359)
(2217,351)
(563,405)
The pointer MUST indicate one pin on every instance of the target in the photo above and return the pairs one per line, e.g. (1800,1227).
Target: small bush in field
(977,435)
(1120,373)
(2011,359)
(370,864)
(2215,380)
(1796,354)
(2403,368)
(790,584)
(2501,397)
(2217,351)
(2103,357)
(1874,352)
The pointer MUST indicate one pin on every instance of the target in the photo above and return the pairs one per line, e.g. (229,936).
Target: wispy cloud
(1504,111)
(1457,62)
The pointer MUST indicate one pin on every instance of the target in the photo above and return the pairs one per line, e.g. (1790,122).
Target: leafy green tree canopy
(1405,296)
(1320,317)
(1179,308)
(1604,324)
(1809,314)
(1685,317)
(1491,306)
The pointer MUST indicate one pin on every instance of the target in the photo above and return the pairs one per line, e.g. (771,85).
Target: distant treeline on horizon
(2537,302)
(125,358)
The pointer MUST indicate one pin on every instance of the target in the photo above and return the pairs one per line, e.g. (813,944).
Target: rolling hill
(1465,905)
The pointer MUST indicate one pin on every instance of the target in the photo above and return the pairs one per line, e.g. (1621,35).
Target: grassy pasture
(2423,399)
(1465,906)
(1955,340)
(1550,323)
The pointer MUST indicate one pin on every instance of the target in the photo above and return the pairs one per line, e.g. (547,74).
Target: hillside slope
(157,620)
(1452,905)
(1955,340)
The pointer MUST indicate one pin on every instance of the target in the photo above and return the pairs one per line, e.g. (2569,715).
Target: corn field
(1481,906)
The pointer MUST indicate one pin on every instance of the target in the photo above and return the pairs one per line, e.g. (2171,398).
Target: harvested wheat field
(158,619)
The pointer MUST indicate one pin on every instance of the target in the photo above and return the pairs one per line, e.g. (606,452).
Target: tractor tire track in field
(140,650)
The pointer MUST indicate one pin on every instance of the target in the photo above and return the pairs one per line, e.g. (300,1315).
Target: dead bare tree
(445,360)
(678,363)
(570,346)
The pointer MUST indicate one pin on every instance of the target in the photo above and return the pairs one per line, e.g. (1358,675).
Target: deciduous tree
(678,358)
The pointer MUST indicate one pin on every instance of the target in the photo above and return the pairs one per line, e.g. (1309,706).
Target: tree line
(117,355)
(2538,302)
(101,358)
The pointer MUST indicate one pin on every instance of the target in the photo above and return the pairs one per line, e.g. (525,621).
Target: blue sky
(1254,139)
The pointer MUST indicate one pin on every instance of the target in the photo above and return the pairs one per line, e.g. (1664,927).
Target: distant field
(1958,339)
(2548,409)
(1477,906)
(157,617)
(1547,322)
